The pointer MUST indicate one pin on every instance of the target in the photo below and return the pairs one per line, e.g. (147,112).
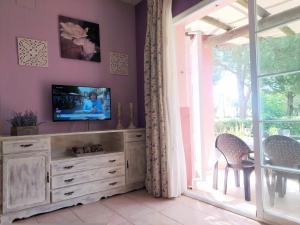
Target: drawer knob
(68,167)
(69,193)
(113,183)
(26,145)
(112,160)
(69,180)
(138,135)
(112,172)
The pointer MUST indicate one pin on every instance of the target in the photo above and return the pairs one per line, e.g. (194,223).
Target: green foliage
(274,128)
(234,126)
(279,54)
(19,119)
(235,59)
(243,128)
(276,54)
(280,95)
(273,106)
(282,84)
(272,131)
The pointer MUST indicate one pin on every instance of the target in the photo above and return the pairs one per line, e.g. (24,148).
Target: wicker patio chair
(282,151)
(236,153)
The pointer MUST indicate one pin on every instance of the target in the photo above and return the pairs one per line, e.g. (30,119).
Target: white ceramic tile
(30,220)
(126,223)
(98,213)
(59,216)
(187,215)
(195,204)
(140,208)
(148,200)
(126,207)
(154,219)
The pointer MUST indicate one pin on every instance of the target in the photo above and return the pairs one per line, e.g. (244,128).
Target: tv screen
(80,103)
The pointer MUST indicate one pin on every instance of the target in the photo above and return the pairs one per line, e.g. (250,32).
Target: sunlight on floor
(287,206)
(235,195)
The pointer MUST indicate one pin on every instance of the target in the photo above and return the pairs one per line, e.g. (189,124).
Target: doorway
(220,87)
(216,76)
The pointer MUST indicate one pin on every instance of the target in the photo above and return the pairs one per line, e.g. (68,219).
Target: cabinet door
(25,180)
(135,162)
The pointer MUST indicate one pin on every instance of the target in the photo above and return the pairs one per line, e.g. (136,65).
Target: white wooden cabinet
(25,180)
(40,174)
(135,156)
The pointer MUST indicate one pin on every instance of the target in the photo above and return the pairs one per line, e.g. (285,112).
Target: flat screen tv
(70,103)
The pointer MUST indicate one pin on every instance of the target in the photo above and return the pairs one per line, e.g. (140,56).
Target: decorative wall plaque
(32,52)
(118,63)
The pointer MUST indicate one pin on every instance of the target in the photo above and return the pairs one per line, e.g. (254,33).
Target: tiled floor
(289,205)
(235,196)
(139,208)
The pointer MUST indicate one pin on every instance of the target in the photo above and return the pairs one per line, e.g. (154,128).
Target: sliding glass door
(275,63)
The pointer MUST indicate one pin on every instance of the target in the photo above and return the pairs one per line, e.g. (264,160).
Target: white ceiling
(236,16)
(133,2)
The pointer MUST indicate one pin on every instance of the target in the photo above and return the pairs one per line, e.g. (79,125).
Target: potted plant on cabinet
(24,123)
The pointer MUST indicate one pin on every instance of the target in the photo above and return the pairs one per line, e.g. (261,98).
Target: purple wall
(178,6)
(23,88)
(141,27)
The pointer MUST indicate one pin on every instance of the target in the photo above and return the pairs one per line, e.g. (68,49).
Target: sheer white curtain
(177,180)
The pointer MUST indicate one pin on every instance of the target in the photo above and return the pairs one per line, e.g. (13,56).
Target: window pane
(281,193)
(279,49)
(275,6)
(286,128)
(280,97)
(281,144)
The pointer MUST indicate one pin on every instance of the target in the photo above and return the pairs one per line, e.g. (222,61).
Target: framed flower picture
(79,39)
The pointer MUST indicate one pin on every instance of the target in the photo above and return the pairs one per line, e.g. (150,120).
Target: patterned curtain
(156,150)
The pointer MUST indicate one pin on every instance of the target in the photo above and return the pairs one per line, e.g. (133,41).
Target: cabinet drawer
(86,176)
(85,189)
(135,136)
(25,145)
(87,163)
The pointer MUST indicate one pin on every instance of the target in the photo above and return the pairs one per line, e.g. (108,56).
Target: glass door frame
(261,214)
(186,15)
(257,127)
